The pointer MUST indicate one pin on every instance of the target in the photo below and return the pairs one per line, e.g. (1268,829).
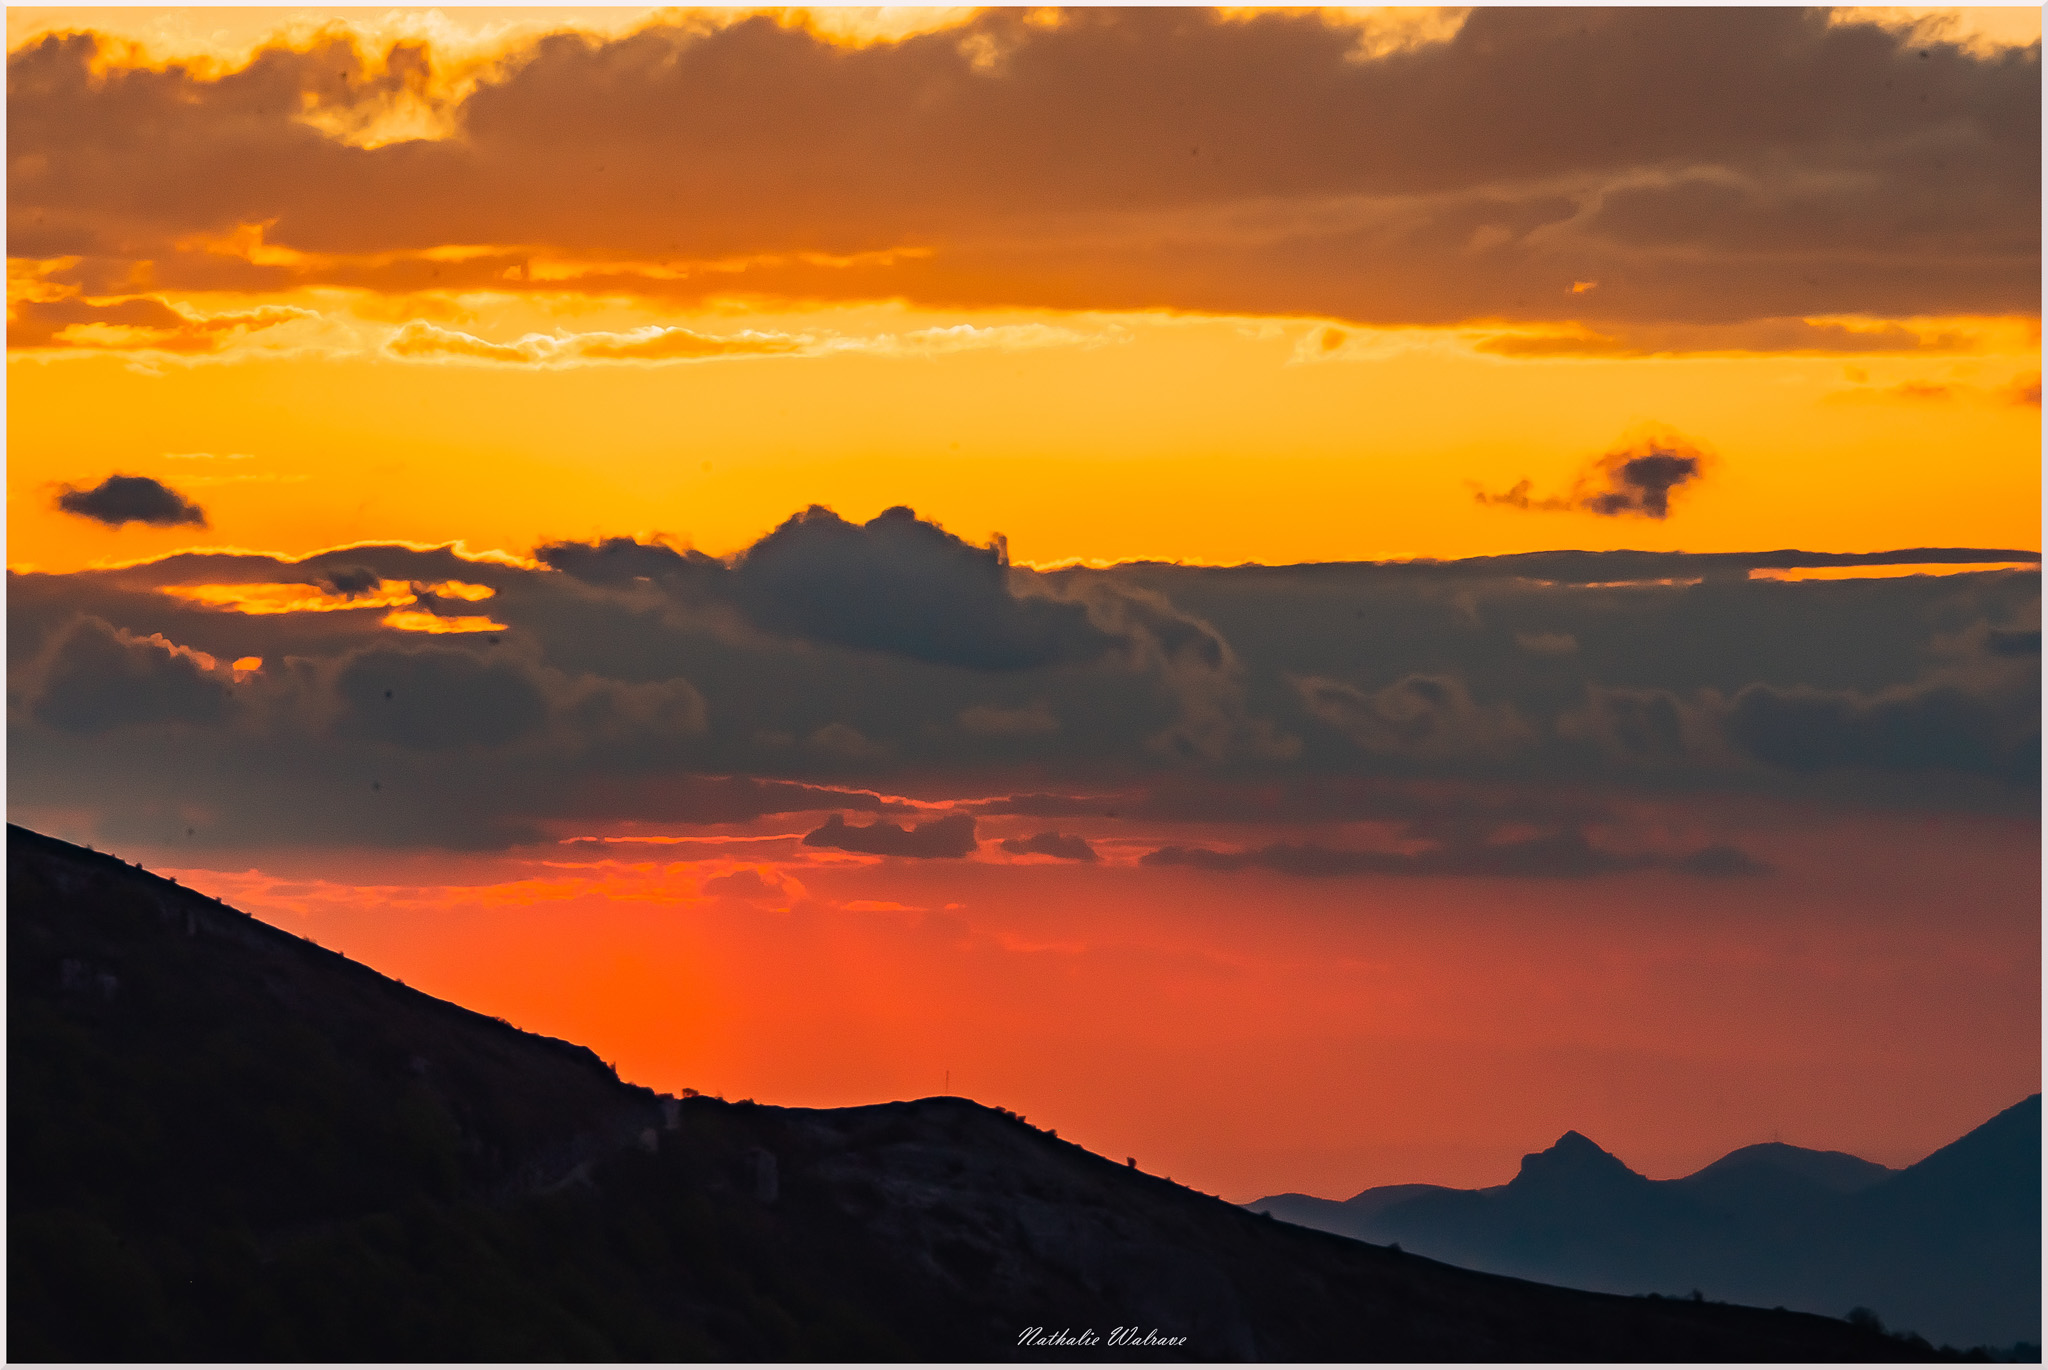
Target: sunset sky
(1057,555)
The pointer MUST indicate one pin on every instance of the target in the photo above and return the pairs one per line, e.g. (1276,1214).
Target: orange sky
(401,407)
(1195,439)
(1257,1036)
(1260,288)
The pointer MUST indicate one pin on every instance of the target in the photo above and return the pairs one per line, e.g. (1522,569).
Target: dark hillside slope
(228,1144)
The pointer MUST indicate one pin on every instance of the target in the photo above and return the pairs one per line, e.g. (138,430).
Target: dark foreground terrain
(225,1143)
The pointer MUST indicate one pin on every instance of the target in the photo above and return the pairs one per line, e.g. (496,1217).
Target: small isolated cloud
(1637,481)
(119,500)
(951,836)
(1063,846)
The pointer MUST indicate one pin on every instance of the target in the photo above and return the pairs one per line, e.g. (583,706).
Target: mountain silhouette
(1835,1171)
(226,1143)
(1949,1248)
(1574,1165)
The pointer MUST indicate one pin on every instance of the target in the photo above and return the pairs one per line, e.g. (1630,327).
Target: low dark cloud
(2016,642)
(937,837)
(1641,725)
(351,580)
(899,584)
(620,561)
(1936,727)
(896,584)
(437,699)
(1636,481)
(1560,855)
(1065,846)
(1418,715)
(634,690)
(102,679)
(131,499)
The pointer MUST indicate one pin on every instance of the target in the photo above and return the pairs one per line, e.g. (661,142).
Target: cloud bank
(1627,171)
(1425,718)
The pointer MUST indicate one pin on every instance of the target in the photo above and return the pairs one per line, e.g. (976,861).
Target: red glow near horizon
(1249,1033)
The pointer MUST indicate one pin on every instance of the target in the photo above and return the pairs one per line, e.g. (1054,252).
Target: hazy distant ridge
(1949,1248)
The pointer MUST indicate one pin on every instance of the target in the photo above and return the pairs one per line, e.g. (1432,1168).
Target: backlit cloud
(1639,480)
(1465,167)
(131,499)
(938,837)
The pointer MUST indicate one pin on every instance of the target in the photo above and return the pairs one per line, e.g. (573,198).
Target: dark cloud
(131,499)
(1940,726)
(1642,482)
(351,580)
(1065,846)
(634,691)
(898,584)
(1637,480)
(619,561)
(937,837)
(437,699)
(1643,725)
(1702,165)
(1562,855)
(895,584)
(103,678)
(1425,715)
(2014,641)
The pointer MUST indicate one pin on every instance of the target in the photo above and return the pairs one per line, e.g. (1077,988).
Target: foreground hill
(226,1143)
(1950,1247)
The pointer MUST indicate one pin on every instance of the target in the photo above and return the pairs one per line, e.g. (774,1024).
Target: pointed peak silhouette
(1574,1159)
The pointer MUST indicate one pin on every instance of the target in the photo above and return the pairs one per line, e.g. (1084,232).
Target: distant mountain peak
(1836,1171)
(1573,1159)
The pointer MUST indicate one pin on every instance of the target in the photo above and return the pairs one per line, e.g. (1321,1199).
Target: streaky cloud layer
(1622,170)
